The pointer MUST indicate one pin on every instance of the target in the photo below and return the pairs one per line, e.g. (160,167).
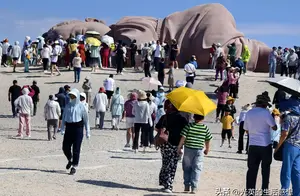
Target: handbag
(162,136)
(279,152)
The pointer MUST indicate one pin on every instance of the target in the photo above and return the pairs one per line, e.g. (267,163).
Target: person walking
(13,93)
(195,137)
(272,62)
(5,53)
(242,117)
(100,104)
(36,96)
(153,110)
(257,124)
(292,63)
(45,54)
(16,54)
(116,109)
(52,114)
(61,99)
(129,118)
(190,72)
(174,53)
(87,87)
(77,62)
(109,85)
(56,52)
(120,58)
(75,118)
(24,106)
(246,55)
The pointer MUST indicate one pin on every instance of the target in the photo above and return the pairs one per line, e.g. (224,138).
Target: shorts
(227,132)
(129,122)
(15,59)
(109,94)
(173,57)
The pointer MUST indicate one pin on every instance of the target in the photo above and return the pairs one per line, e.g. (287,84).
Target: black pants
(292,71)
(232,90)
(4,59)
(13,108)
(220,110)
(190,79)
(161,79)
(284,69)
(156,63)
(45,64)
(147,69)
(73,139)
(232,61)
(241,138)
(257,155)
(145,133)
(151,136)
(120,65)
(132,59)
(34,107)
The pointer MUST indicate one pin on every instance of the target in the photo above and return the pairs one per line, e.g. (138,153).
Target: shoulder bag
(162,135)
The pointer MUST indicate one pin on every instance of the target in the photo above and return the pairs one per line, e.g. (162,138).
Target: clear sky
(271,21)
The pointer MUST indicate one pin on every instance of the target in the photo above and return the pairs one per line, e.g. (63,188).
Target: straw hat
(142,94)
(230,98)
(276,112)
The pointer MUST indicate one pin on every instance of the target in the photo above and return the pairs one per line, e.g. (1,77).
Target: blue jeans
(272,69)
(26,65)
(192,164)
(77,74)
(290,170)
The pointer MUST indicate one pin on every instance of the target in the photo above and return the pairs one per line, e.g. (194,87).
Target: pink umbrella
(151,81)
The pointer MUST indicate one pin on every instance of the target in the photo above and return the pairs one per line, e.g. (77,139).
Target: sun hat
(262,99)
(219,44)
(142,94)
(276,112)
(230,98)
(161,88)
(102,90)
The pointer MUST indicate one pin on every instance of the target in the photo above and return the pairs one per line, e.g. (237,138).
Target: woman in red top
(104,52)
(67,55)
(81,50)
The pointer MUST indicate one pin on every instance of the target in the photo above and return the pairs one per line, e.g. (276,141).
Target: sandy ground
(36,166)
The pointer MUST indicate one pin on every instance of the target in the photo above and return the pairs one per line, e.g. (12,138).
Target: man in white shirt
(190,72)
(157,55)
(257,124)
(52,113)
(56,51)
(219,51)
(109,86)
(45,54)
(5,47)
(100,105)
(24,105)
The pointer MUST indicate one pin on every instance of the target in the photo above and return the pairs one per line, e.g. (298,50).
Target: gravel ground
(36,166)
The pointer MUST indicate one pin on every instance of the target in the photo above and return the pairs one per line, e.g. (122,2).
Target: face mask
(73,101)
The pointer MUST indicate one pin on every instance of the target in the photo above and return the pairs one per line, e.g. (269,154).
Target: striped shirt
(196,135)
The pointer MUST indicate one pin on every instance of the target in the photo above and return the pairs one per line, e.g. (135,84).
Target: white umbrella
(151,81)
(92,33)
(107,40)
(288,85)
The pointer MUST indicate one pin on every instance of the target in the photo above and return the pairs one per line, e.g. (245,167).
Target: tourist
(171,77)
(133,52)
(105,52)
(81,51)
(5,53)
(13,93)
(232,53)
(142,119)
(36,96)
(220,66)
(52,113)
(195,137)
(129,118)
(190,72)
(45,55)
(279,96)
(233,79)
(231,108)
(245,56)
(27,57)
(240,64)
(75,117)
(67,90)
(272,62)
(146,59)
(172,122)
(94,57)
(61,99)
(83,101)
(290,138)
(242,117)
(257,124)
(222,93)
(284,65)
(157,55)
(87,88)
(161,71)
(292,63)
(109,85)
(174,53)
(160,99)
(275,135)
(194,61)
(153,110)
(100,105)
(120,58)
(116,109)
(227,122)
(77,61)
(15,53)
(56,51)
(24,106)
(211,60)
(72,49)
(219,51)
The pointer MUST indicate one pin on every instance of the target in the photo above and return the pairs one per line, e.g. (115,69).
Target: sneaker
(28,136)
(144,150)
(68,166)
(239,152)
(59,74)
(187,188)
(233,139)
(19,136)
(167,191)
(221,145)
(194,191)
(229,146)
(73,171)
(136,151)
(127,146)
(58,130)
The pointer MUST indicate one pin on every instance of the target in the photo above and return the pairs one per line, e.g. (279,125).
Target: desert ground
(36,167)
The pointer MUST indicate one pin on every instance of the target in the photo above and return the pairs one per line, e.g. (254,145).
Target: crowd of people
(68,111)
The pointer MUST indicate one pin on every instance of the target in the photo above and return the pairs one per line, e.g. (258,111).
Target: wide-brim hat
(262,100)
(230,98)
(142,94)
(276,112)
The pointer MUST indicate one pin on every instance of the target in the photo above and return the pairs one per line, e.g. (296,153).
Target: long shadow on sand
(128,80)
(115,185)
(135,158)
(228,158)
(59,82)
(32,169)
(6,116)
(29,139)
(211,95)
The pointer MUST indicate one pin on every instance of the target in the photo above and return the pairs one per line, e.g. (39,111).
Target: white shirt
(157,52)
(218,52)
(52,110)
(258,122)
(77,62)
(100,102)
(24,103)
(45,53)
(189,70)
(5,47)
(56,51)
(124,50)
(109,84)
(141,112)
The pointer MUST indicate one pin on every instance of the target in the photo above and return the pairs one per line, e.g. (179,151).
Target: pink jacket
(232,78)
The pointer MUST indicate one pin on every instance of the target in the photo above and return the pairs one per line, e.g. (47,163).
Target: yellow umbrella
(93,41)
(191,101)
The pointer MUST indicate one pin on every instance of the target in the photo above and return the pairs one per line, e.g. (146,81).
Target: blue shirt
(194,63)
(291,123)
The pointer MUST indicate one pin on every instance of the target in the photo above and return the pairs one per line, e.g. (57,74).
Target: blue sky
(273,22)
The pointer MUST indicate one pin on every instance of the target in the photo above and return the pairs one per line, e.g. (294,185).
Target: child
(275,135)
(87,87)
(222,93)
(195,137)
(83,101)
(227,121)
(171,77)
(231,108)
(77,67)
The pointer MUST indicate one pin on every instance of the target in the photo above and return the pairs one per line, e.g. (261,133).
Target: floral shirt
(292,123)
